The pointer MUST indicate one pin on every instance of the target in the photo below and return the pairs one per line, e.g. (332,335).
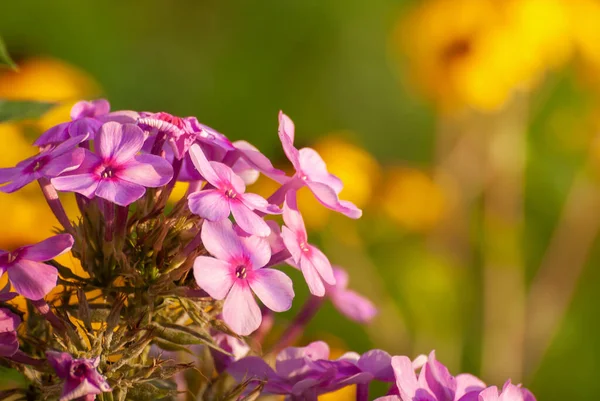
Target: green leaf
(5,57)
(22,110)
(10,378)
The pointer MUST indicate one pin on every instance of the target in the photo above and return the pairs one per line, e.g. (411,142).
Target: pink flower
(348,302)
(82,380)
(312,262)
(49,163)
(227,197)
(9,343)
(510,392)
(236,271)
(311,171)
(435,383)
(26,273)
(117,173)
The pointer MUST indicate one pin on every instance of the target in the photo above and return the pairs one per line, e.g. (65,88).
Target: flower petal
(9,343)
(258,161)
(9,174)
(489,394)
(248,221)
(221,241)
(439,380)
(147,170)
(406,380)
(291,244)
(60,362)
(119,142)
(321,263)
(63,163)
(353,305)
(273,288)
(120,192)
(257,249)
(378,363)
(312,277)
(92,108)
(257,202)
(291,214)
(55,134)
(313,165)
(18,182)
(85,126)
(466,383)
(209,204)
(204,167)
(32,279)
(48,248)
(9,321)
(328,198)
(286,136)
(213,276)
(84,184)
(240,311)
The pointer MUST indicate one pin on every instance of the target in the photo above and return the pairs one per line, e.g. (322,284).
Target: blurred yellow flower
(412,199)
(477,53)
(584,18)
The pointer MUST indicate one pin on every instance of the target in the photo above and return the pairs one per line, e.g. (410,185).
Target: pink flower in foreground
(351,304)
(311,171)
(49,163)
(117,173)
(510,392)
(26,273)
(435,383)
(227,197)
(9,343)
(236,271)
(82,380)
(312,262)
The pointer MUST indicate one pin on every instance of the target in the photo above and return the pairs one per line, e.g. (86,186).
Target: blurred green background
(466,129)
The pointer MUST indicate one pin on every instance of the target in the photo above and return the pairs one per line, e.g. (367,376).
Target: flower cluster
(161,274)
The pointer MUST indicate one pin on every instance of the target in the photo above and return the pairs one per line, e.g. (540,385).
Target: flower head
(348,302)
(228,196)
(311,171)
(236,272)
(510,392)
(49,163)
(81,375)
(116,172)
(26,273)
(312,262)
(9,343)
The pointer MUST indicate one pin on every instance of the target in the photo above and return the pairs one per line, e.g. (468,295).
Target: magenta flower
(49,163)
(312,262)
(311,171)
(351,304)
(91,109)
(510,392)
(26,273)
(227,197)
(434,383)
(175,130)
(82,380)
(117,173)
(236,348)
(236,272)
(9,343)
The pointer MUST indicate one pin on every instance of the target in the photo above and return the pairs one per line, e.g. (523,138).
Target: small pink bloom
(312,262)
(510,392)
(26,273)
(348,302)
(82,380)
(116,172)
(236,272)
(228,196)
(311,171)
(9,343)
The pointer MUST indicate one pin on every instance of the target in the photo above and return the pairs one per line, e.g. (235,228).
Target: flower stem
(43,307)
(21,357)
(158,143)
(109,220)
(362,392)
(294,330)
(55,205)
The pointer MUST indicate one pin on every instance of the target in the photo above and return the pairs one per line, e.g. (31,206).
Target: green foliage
(22,110)
(5,59)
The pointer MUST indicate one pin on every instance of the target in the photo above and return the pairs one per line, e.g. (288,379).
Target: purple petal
(213,276)
(209,204)
(291,243)
(312,277)
(439,379)
(275,240)
(122,117)
(489,394)
(510,392)
(55,134)
(388,398)
(9,174)
(147,170)
(257,202)
(120,192)
(64,163)
(60,362)
(291,215)
(378,363)
(33,280)
(227,178)
(9,344)
(76,390)
(315,168)
(257,250)
(204,167)
(466,383)
(321,263)
(258,161)
(341,278)
(19,182)
(48,248)
(9,321)
(273,288)
(93,108)
(84,127)
(286,136)
(240,311)
(353,306)
(248,220)
(84,184)
(328,198)
(221,241)
(119,142)
(406,380)
(251,367)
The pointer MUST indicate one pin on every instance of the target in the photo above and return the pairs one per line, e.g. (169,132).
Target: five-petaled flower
(117,172)
(236,272)
(82,380)
(228,196)
(312,262)
(26,273)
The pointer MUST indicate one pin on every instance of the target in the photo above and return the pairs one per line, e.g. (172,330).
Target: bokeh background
(466,129)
